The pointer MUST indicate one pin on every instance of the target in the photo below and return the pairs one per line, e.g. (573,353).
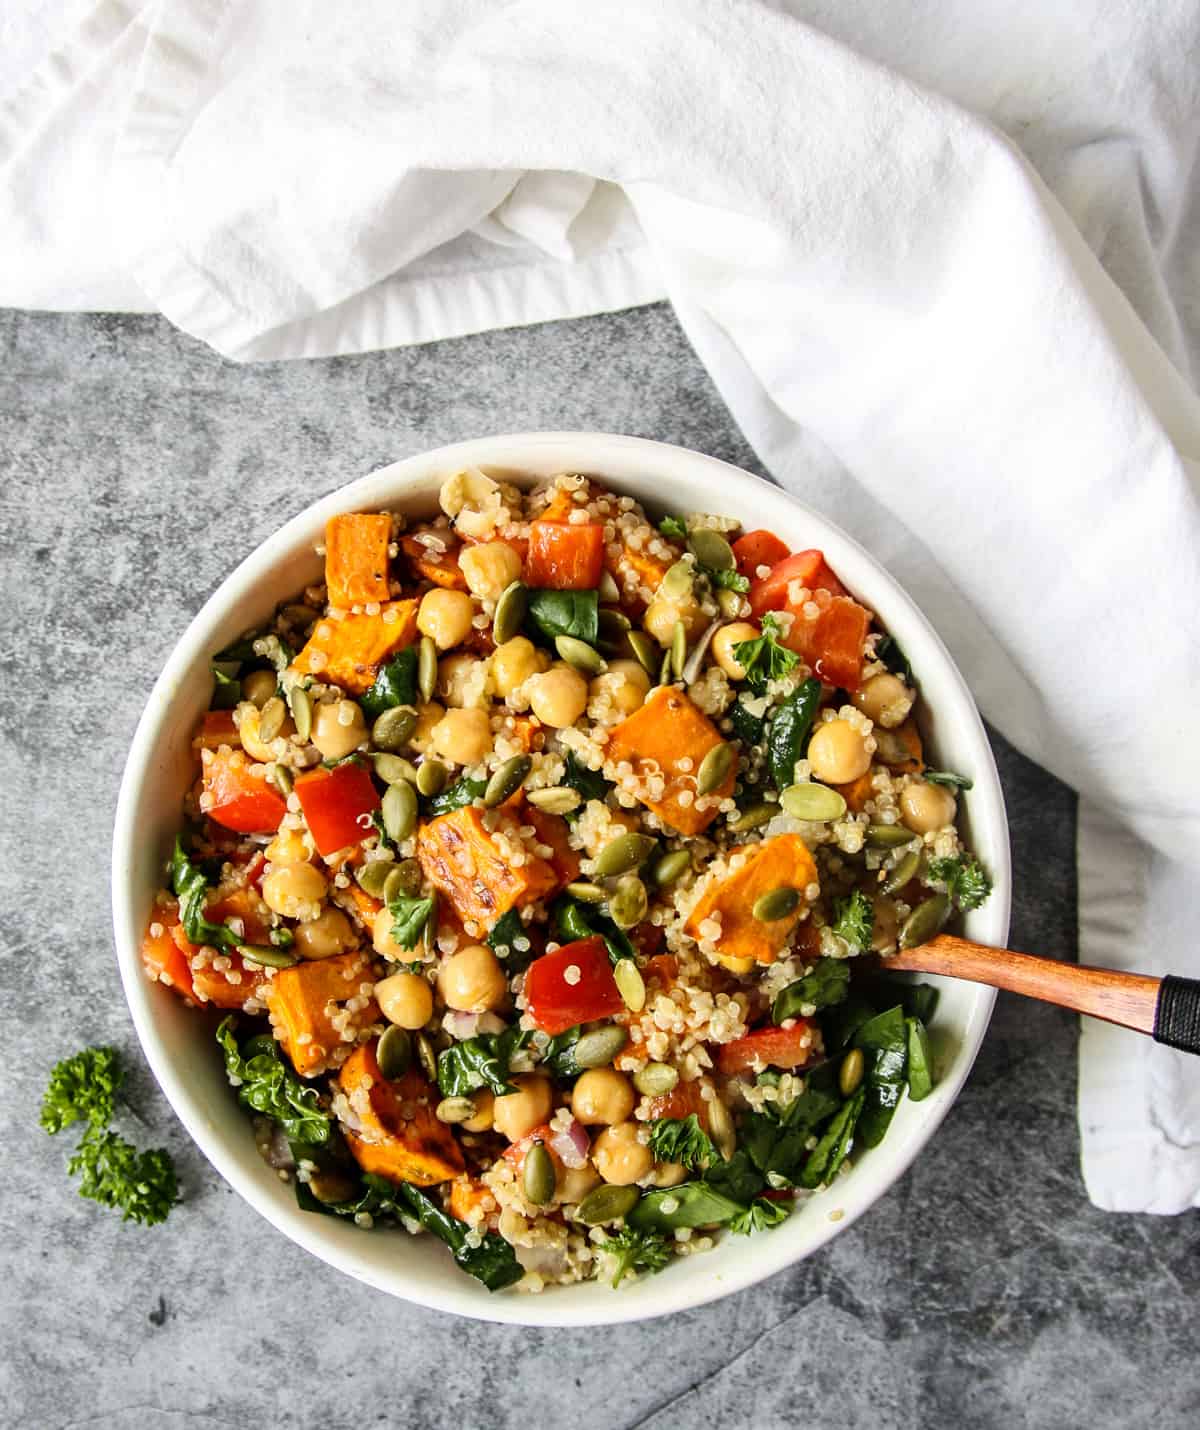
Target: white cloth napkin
(903,319)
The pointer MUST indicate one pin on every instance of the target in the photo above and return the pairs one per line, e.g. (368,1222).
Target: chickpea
(295,891)
(328,934)
(725,640)
(383,942)
(489,568)
(518,1113)
(661,615)
(514,662)
(885,700)
(574,1183)
(288,847)
(472,980)
(559,696)
(428,719)
(338,728)
(619,1157)
(668,1174)
(446,616)
(837,753)
(485,1111)
(254,746)
(624,685)
(925,807)
(602,1095)
(259,686)
(459,674)
(405,999)
(463,737)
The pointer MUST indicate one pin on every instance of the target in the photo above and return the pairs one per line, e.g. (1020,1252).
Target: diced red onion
(572,1145)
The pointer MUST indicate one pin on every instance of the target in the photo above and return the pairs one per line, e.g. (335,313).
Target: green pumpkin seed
(676,584)
(430,927)
(694,664)
(903,871)
(678,648)
(754,816)
(610,592)
(392,729)
(671,867)
(630,984)
(283,779)
(924,921)
(538,1176)
(776,904)
(711,549)
(506,780)
(586,893)
(510,613)
(850,1074)
(372,877)
(426,1057)
(664,670)
(580,656)
(455,1109)
(332,1187)
(611,629)
(715,768)
(721,1129)
(399,811)
(431,778)
(300,703)
(555,799)
(645,652)
(427,662)
(270,719)
(812,801)
(888,836)
(729,603)
(629,903)
(269,957)
(598,1048)
(393,769)
(405,878)
(655,1079)
(623,854)
(393,1053)
(606,1203)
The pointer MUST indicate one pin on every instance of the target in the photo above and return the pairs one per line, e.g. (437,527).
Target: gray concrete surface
(136,470)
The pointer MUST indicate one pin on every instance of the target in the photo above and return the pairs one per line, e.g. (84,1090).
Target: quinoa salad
(540,868)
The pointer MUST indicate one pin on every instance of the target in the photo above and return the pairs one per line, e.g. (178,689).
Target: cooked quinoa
(539,861)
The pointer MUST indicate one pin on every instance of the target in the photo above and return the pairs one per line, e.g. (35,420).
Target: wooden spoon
(1166,1008)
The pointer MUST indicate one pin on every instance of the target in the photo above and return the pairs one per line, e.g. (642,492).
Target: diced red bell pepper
(771,1047)
(808,567)
(758,548)
(564,557)
(216,729)
(832,644)
(335,804)
(240,800)
(574,984)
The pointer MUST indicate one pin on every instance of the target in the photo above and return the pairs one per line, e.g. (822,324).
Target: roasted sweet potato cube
(667,729)
(439,567)
(397,1134)
(461,858)
(552,832)
(304,1002)
(356,558)
(769,864)
(349,652)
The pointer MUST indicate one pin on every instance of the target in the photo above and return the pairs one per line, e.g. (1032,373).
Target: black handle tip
(1177,1014)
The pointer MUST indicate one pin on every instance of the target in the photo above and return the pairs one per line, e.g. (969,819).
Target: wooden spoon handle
(1166,1008)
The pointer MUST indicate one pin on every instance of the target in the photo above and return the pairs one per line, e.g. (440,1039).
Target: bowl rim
(586,451)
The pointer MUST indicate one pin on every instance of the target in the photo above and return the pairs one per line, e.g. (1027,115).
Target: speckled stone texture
(137,468)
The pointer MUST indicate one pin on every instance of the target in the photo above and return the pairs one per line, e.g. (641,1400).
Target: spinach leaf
(840,1023)
(493,1262)
(682,1139)
(674,527)
(919,1000)
(239,650)
(763,1212)
(409,917)
(265,1084)
(575,920)
(635,1251)
(885,1040)
(190,887)
(396,684)
(565,613)
(558,1057)
(689,1204)
(776,1142)
(482,1061)
(747,726)
(826,983)
(834,1147)
(510,941)
(948,778)
(888,651)
(456,796)
(376,1195)
(920,1060)
(227,688)
(591,784)
(789,730)
(738,1178)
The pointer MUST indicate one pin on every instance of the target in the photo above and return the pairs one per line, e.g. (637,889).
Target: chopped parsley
(764,659)
(675,527)
(635,1251)
(409,917)
(965,880)
(683,1140)
(763,1212)
(854,920)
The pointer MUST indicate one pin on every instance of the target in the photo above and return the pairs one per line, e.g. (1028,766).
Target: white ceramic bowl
(178,1041)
